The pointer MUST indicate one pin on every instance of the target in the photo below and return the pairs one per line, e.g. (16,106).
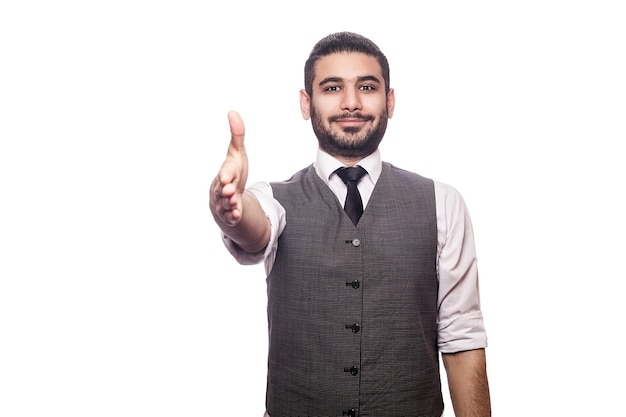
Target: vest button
(355,327)
(353,370)
(354,284)
(356,242)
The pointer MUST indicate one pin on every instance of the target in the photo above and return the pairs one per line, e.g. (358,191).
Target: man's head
(347,95)
(343,42)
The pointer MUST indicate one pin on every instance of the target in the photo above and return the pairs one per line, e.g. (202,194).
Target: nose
(350,100)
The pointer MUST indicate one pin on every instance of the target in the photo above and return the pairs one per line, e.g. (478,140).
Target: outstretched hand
(226,199)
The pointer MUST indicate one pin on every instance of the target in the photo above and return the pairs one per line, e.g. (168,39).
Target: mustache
(356,115)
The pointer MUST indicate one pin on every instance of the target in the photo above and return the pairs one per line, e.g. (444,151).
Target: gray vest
(352,311)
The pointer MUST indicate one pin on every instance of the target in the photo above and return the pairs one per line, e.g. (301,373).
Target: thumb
(237,130)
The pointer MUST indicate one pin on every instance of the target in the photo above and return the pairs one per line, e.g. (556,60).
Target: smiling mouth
(351,119)
(351,122)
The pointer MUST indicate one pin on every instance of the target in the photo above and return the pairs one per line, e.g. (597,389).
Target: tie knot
(351,173)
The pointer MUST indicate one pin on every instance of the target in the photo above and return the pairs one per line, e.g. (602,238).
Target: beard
(350,142)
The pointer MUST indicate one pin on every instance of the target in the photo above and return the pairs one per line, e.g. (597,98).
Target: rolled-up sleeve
(460,319)
(276,215)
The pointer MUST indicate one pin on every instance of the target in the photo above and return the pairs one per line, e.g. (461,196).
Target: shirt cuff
(240,255)
(466,332)
(275,213)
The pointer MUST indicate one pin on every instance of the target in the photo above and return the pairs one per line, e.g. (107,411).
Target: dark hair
(343,42)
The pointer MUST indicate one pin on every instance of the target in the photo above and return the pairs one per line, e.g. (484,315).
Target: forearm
(252,232)
(468,383)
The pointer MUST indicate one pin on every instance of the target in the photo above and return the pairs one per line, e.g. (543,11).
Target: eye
(332,88)
(367,87)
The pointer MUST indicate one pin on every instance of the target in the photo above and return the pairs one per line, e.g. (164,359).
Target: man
(358,307)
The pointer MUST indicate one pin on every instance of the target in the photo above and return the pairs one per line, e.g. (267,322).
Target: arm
(461,333)
(236,211)
(467,380)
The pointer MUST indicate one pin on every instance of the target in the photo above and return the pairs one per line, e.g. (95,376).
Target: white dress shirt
(460,321)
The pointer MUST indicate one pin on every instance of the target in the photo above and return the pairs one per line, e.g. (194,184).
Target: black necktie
(354,204)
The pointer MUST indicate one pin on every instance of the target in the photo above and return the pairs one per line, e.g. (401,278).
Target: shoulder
(451,207)
(405,174)
(448,195)
(446,190)
(297,177)
(299,184)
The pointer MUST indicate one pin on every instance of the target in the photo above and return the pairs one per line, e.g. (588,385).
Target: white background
(117,297)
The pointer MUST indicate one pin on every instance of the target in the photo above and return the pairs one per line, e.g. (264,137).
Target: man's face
(348,106)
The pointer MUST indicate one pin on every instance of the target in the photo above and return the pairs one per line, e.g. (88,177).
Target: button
(353,370)
(354,284)
(356,242)
(355,327)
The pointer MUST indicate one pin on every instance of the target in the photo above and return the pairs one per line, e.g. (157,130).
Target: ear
(305,104)
(391,102)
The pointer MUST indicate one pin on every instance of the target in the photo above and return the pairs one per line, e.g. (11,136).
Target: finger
(237,129)
(228,173)
(229,211)
(229,190)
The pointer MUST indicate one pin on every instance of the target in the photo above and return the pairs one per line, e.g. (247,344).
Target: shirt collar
(326,165)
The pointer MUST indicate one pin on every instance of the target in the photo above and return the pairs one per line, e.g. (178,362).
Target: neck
(349,162)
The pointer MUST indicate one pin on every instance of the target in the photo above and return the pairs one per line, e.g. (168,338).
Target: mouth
(351,121)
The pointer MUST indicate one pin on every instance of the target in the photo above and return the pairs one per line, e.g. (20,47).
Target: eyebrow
(339,79)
